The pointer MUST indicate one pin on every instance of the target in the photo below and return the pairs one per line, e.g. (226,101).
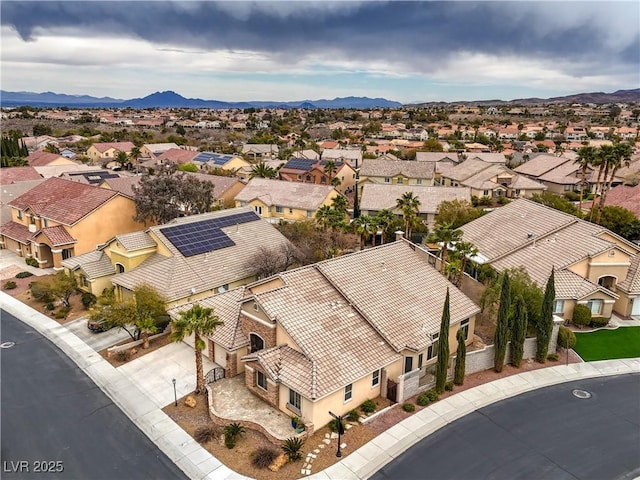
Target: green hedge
(581,316)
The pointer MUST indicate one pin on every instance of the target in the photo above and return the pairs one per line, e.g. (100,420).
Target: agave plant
(292,447)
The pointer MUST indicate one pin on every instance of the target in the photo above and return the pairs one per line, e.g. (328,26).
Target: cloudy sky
(282,50)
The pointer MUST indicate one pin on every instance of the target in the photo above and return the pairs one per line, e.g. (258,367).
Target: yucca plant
(292,447)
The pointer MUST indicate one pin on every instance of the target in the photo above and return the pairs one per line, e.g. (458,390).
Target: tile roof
(135,241)
(177,155)
(220,184)
(378,196)
(326,329)
(41,158)
(626,197)
(631,284)
(57,235)
(120,146)
(11,191)
(226,306)
(48,171)
(51,198)
(376,167)
(305,196)
(94,264)
(541,164)
(466,169)
(565,174)
(571,285)
(176,276)
(436,157)
(398,291)
(124,185)
(488,157)
(17,232)
(18,174)
(338,153)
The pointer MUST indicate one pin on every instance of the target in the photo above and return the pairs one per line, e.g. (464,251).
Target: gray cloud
(417,35)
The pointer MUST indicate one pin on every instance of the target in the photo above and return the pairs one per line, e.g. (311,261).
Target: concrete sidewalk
(197,463)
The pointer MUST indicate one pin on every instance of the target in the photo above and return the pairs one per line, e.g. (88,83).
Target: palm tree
(620,155)
(364,226)
(410,206)
(122,159)
(323,216)
(463,251)
(134,155)
(446,234)
(330,169)
(262,170)
(199,322)
(586,158)
(384,219)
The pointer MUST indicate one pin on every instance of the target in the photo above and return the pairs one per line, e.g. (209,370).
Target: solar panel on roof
(299,164)
(205,236)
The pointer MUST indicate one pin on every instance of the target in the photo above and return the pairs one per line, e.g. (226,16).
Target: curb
(175,443)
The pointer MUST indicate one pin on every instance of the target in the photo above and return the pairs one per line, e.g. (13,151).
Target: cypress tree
(543,334)
(443,347)
(501,337)
(519,333)
(458,377)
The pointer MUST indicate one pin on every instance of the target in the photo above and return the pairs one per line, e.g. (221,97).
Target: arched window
(256,342)
(120,268)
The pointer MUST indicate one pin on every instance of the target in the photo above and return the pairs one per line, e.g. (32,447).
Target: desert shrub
(423,400)
(333,425)
(123,355)
(263,457)
(49,306)
(572,196)
(566,338)
(292,448)
(352,416)
(32,262)
(432,395)
(502,200)
(484,201)
(88,299)
(231,434)
(24,275)
(41,292)
(408,407)
(369,406)
(229,441)
(553,357)
(599,322)
(62,312)
(581,315)
(448,386)
(204,434)
(10,285)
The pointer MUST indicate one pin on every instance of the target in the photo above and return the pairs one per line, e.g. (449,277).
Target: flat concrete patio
(231,400)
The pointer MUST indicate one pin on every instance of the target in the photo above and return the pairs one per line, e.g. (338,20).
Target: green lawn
(623,342)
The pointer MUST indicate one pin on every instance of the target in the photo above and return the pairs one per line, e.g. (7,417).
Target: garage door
(220,357)
(635,310)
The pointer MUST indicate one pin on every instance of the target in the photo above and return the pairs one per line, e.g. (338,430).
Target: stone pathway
(326,442)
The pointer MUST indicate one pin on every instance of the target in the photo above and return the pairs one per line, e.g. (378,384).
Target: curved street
(56,423)
(548,433)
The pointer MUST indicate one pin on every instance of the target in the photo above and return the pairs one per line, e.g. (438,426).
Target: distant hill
(619,96)
(171,99)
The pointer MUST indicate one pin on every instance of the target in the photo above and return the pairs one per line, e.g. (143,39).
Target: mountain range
(169,99)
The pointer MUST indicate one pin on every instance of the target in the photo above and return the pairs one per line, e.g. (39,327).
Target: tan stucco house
(59,219)
(101,152)
(327,337)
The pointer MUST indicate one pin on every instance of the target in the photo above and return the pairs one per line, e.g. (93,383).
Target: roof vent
(529,235)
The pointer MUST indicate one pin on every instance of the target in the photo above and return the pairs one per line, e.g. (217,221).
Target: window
(295,399)
(261,380)
(432,351)
(290,211)
(387,180)
(243,204)
(279,209)
(67,253)
(120,268)
(256,343)
(420,360)
(45,222)
(308,178)
(408,364)
(375,378)
(595,306)
(19,214)
(83,281)
(517,192)
(567,187)
(299,177)
(485,193)
(323,180)
(399,181)
(419,181)
(464,326)
(558,306)
(348,392)
(258,209)
(309,214)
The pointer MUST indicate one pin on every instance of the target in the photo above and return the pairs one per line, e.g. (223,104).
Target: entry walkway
(231,400)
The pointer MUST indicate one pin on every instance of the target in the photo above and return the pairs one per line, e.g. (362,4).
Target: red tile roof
(18,174)
(63,201)
(120,146)
(16,231)
(57,235)
(40,158)
(177,155)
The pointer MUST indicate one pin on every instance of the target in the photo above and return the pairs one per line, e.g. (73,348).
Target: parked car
(97,326)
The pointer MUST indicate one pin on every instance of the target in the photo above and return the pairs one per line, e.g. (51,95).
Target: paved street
(51,411)
(97,341)
(547,433)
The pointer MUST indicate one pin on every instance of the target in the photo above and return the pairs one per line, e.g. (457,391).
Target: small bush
(263,457)
(162,322)
(32,262)
(229,441)
(41,292)
(572,196)
(88,299)
(352,416)
(231,434)
(502,200)
(408,407)
(581,315)
(62,312)
(599,322)
(123,355)
(566,338)
(484,201)
(49,306)
(292,447)
(333,425)
(553,357)
(369,406)
(432,395)
(10,285)
(204,434)
(448,386)
(24,275)
(423,400)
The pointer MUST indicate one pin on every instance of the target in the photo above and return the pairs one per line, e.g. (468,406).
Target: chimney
(399,234)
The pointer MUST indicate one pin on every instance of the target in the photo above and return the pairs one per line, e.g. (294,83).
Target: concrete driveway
(97,341)
(154,372)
